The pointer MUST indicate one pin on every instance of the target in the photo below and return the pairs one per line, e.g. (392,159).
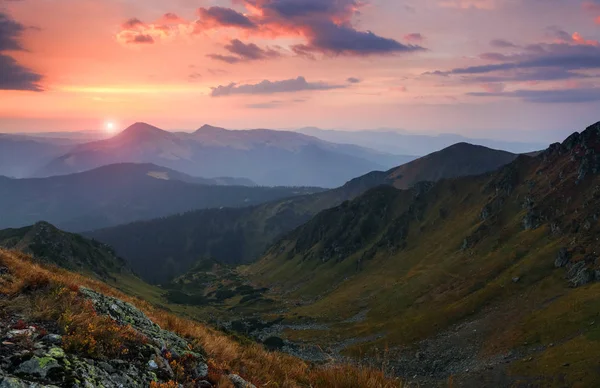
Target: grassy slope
(416,290)
(25,286)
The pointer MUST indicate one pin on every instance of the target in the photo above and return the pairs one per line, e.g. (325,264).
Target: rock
(38,367)
(516,279)
(53,339)
(56,353)
(274,343)
(12,382)
(579,275)
(152,365)
(531,220)
(239,382)
(30,331)
(202,369)
(562,259)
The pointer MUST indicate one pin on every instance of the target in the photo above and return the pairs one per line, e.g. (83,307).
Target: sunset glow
(435,66)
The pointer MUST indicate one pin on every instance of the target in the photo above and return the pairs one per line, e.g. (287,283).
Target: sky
(518,69)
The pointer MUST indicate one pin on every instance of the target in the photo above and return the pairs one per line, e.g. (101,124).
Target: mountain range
(235,236)
(486,280)
(121,193)
(404,142)
(272,158)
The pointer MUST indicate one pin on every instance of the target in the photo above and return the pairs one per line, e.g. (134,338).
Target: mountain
(488,280)
(50,245)
(235,236)
(402,142)
(272,158)
(20,156)
(460,159)
(120,193)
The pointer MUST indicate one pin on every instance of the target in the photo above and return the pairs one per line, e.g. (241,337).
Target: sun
(110,127)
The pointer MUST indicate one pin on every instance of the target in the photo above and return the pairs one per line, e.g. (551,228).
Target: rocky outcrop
(33,357)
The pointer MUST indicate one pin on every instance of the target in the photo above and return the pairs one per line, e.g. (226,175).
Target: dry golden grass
(252,361)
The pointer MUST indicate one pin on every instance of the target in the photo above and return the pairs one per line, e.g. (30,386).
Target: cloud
(501,43)
(14,76)
(561,36)
(271,87)
(551,96)
(215,17)
(354,80)
(243,52)
(415,37)
(535,62)
(225,58)
(325,26)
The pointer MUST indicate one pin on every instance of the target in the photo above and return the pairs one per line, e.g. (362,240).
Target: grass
(51,293)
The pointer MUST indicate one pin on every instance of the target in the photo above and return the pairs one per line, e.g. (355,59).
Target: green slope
(50,245)
(462,273)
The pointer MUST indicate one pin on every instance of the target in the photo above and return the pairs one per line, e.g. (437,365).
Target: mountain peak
(206,128)
(140,129)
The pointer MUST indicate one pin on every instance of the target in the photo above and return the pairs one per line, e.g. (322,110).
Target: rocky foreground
(32,355)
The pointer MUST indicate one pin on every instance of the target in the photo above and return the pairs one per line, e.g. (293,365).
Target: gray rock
(38,366)
(202,369)
(152,365)
(53,339)
(239,382)
(562,258)
(579,275)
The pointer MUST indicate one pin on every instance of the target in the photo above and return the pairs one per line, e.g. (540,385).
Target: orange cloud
(578,39)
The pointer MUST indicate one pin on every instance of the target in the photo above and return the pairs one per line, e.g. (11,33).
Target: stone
(239,382)
(152,365)
(38,366)
(202,369)
(579,275)
(562,258)
(56,353)
(53,339)
(516,279)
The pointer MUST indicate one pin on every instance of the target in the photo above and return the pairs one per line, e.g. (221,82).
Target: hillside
(118,194)
(488,280)
(458,160)
(272,158)
(50,245)
(236,236)
(60,328)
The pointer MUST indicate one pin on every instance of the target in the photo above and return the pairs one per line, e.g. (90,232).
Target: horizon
(292,64)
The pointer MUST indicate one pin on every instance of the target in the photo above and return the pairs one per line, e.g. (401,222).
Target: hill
(121,193)
(489,280)
(272,158)
(458,160)
(236,236)
(50,245)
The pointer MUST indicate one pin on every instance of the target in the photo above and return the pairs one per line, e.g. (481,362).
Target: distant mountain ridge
(403,142)
(235,236)
(267,157)
(121,193)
